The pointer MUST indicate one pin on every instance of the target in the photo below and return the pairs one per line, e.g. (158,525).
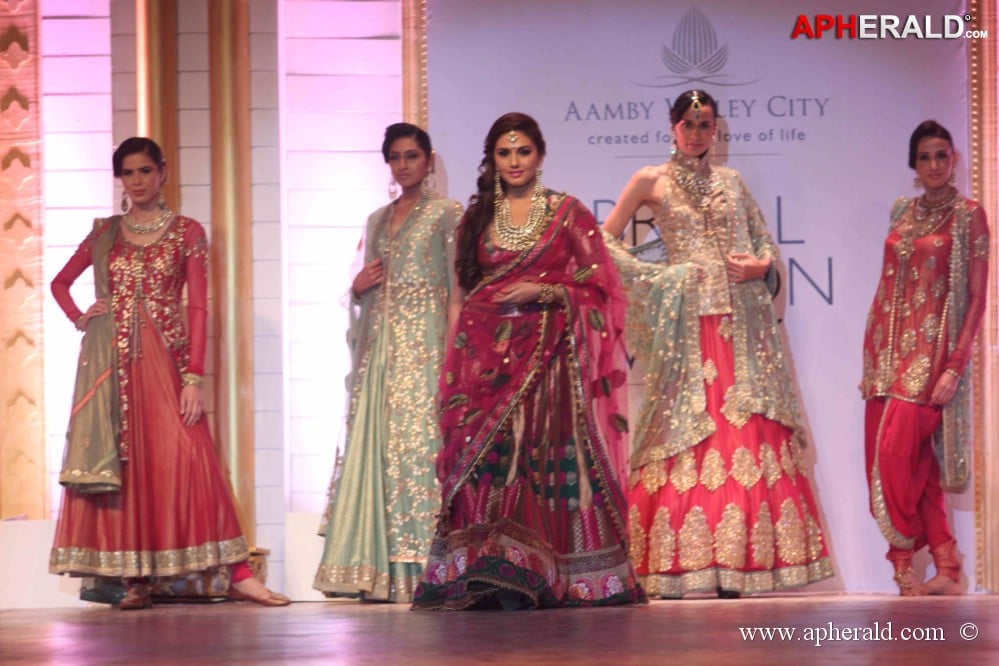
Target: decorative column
(414,62)
(982,75)
(22,414)
(231,247)
(156,84)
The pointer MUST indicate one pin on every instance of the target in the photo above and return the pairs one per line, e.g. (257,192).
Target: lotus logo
(695,46)
(694,55)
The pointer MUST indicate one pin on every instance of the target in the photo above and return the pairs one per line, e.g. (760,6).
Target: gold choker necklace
(157,223)
(926,207)
(511,237)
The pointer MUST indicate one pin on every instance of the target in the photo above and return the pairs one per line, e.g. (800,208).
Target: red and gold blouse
(147,285)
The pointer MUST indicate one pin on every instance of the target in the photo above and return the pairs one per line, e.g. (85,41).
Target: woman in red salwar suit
(926,312)
(145,494)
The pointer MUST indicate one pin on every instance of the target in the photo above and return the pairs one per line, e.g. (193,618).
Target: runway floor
(843,629)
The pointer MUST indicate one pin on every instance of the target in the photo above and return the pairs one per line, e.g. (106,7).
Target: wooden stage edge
(792,629)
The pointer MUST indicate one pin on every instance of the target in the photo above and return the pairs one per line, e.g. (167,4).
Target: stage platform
(842,629)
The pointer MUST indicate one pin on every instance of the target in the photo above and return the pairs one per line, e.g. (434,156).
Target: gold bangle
(547,294)
(953,373)
(192,379)
(76,323)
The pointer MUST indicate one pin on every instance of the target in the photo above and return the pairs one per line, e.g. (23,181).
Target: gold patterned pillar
(232,259)
(414,62)
(982,74)
(156,84)
(22,414)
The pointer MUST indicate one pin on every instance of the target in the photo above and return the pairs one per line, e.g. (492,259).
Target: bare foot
(943,585)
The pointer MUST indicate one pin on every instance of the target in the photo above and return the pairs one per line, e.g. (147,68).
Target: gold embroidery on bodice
(694,225)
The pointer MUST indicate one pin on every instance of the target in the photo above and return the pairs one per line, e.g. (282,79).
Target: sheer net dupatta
(90,462)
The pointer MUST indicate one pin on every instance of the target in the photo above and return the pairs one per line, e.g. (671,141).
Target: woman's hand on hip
(99,308)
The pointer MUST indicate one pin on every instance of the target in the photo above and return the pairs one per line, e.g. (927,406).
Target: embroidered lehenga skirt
(735,511)
(532,523)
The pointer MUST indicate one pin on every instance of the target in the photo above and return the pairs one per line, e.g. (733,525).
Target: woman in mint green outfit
(384,494)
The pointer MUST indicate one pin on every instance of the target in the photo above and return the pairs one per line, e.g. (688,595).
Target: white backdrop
(818,128)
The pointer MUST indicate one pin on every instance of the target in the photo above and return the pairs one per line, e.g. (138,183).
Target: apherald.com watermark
(885,26)
(831,632)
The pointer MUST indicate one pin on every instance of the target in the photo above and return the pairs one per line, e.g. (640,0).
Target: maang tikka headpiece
(695,104)
(512,137)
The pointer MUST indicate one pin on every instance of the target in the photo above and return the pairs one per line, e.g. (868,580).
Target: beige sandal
(272,598)
(137,597)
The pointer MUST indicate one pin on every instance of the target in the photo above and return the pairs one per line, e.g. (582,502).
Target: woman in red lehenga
(926,312)
(719,499)
(533,439)
(145,497)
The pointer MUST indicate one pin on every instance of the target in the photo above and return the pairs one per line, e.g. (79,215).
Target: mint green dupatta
(90,462)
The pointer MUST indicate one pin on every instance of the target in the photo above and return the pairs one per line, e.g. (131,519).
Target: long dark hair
(133,145)
(482,204)
(927,128)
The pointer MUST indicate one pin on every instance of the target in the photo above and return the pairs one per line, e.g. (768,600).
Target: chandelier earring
(393,189)
(917,183)
(497,187)
(952,181)
(429,185)
(124,202)
(161,196)
(672,149)
(538,193)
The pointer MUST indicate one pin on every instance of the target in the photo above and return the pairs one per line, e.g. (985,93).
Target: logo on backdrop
(885,26)
(694,56)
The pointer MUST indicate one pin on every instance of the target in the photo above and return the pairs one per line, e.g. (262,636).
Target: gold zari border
(365,581)
(138,564)
(745,582)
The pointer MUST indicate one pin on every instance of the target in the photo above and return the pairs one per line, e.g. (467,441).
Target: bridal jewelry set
(927,216)
(699,186)
(510,236)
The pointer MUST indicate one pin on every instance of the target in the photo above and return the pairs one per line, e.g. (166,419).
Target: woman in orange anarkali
(146,497)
